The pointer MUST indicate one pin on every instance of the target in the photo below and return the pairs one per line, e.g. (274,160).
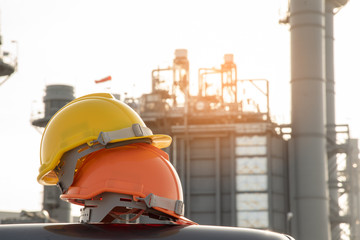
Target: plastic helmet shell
(135,169)
(80,122)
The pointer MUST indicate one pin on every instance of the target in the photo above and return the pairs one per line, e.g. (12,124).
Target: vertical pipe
(222,86)
(288,185)
(200,84)
(350,178)
(236,88)
(217,182)
(330,82)
(356,188)
(188,175)
(307,25)
(291,216)
(270,187)
(174,152)
(182,165)
(153,84)
(330,119)
(267,101)
(353,166)
(232,180)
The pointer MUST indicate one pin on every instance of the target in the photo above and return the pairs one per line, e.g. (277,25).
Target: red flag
(108,78)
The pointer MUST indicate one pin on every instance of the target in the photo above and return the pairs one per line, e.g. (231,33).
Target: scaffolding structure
(345,211)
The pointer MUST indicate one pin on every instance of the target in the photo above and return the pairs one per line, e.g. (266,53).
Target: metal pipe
(330,120)
(236,87)
(307,26)
(217,182)
(188,175)
(270,178)
(153,77)
(201,78)
(174,152)
(222,87)
(182,165)
(233,212)
(330,83)
(267,101)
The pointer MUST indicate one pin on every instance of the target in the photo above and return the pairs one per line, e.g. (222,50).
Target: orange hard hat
(138,170)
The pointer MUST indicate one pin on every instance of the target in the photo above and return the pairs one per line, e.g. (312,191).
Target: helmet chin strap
(65,170)
(98,208)
(152,200)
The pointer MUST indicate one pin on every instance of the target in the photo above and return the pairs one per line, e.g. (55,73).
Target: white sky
(77,42)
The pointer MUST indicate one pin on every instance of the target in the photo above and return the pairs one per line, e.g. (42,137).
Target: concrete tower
(307,28)
(56,97)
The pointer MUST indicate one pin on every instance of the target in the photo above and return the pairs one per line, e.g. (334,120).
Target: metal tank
(132,231)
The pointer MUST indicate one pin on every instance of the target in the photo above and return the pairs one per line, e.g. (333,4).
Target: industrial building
(237,167)
(231,161)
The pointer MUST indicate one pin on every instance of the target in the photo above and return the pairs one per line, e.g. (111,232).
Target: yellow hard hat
(95,119)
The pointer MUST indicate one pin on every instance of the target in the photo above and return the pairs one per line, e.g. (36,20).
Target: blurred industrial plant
(237,166)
